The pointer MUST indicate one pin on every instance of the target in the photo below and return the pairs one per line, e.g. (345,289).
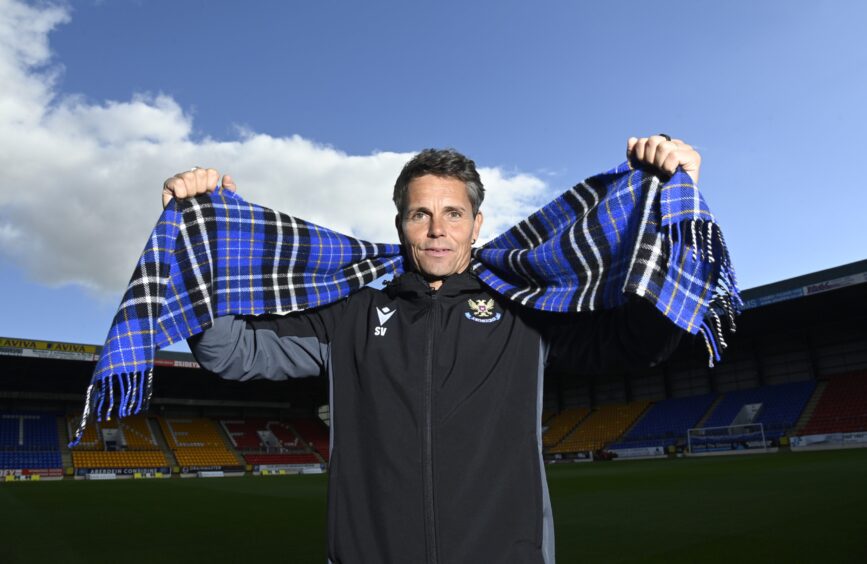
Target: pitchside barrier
(728,439)
(561,457)
(114,473)
(210,471)
(638,452)
(30,474)
(829,441)
(284,469)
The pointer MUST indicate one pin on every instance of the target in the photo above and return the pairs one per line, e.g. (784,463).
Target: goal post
(731,437)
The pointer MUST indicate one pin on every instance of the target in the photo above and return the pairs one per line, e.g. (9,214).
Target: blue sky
(314,106)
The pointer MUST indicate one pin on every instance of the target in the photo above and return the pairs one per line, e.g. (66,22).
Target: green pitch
(808,507)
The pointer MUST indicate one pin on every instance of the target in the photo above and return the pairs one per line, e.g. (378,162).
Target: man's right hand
(194,182)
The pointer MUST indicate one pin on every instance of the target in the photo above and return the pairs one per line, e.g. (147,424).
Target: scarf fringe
(135,391)
(704,239)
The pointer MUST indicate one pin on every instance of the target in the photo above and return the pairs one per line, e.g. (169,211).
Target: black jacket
(436,401)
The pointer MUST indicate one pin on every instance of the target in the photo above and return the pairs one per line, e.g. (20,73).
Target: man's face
(438,227)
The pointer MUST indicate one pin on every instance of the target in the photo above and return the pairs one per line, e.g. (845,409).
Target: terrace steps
(600,427)
(626,431)
(709,411)
(810,407)
(307,446)
(556,432)
(227,441)
(63,442)
(157,432)
(309,433)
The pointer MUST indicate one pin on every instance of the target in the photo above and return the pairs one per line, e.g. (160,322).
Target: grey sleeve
(236,348)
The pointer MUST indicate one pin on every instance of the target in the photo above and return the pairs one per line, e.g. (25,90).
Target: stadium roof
(11,346)
(806,285)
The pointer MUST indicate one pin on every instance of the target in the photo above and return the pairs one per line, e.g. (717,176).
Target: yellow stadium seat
(600,427)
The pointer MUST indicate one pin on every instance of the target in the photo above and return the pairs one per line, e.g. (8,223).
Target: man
(436,382)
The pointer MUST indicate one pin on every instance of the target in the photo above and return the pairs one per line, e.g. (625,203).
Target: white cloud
(83,179)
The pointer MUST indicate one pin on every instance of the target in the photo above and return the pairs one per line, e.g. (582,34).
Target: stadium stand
(135,445)
(90,438)
(782,404)
(666,422)
(28,431)
(600,427)
(244,434)
(284,433)
(562,424)
(134,433)
(267,442)
(30,459)
(297,458)
(137,433)
(29,440)
(205,457)
(118,459)
(191,433)
(313,432)
(842,407)
(196,442)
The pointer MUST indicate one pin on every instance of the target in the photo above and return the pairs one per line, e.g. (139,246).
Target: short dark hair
(446,163)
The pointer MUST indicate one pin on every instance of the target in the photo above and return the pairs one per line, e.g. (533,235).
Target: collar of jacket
(413,285)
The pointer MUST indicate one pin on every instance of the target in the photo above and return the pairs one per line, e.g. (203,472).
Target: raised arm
(273,347)
(635,335)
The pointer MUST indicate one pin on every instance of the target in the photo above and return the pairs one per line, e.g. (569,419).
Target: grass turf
(805,507)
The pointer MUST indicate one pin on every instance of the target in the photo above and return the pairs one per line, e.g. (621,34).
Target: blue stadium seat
(28,431)
(666,422)
(29,440)
(782,405)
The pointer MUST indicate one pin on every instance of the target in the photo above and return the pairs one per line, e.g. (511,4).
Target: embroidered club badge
(482,311)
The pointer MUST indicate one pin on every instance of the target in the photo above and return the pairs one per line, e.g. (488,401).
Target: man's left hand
(664,155)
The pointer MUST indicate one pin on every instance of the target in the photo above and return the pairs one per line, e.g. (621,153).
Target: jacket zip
(430,514)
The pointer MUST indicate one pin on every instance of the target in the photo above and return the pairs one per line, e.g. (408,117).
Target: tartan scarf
(621,232)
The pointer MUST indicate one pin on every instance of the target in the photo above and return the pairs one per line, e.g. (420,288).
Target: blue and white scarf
(622,232)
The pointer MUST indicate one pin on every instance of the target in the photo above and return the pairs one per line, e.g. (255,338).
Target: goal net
(731,437)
